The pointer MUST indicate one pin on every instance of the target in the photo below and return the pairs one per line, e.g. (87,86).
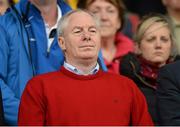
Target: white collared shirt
(79,72)
(49,30)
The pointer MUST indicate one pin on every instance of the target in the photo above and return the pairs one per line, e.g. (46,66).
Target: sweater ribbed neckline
(80,77)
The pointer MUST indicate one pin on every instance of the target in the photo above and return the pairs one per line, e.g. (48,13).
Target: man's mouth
(87,46)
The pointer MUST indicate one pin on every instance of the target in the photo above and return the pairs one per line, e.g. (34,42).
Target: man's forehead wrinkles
(84,27)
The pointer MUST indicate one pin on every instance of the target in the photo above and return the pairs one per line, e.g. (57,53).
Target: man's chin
(89,57)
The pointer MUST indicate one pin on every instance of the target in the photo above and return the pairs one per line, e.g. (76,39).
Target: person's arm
(10,102)
(140,115)
(32,106)
(168,97)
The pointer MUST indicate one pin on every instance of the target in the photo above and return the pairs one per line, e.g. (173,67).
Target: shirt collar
(73,69)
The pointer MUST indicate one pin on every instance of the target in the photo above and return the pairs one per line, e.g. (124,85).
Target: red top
(124,45)
(64,98)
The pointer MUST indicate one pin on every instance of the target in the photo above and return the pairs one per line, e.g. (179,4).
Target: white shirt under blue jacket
(17,63)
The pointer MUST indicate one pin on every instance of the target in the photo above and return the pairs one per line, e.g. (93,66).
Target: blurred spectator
(168,95)
(114,43)
(144,7)
(173,10)
(155,47)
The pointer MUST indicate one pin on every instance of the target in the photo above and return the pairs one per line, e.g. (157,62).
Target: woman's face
(109,17)
(156,44)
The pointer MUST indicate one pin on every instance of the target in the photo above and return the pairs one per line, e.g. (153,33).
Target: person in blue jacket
(28,46)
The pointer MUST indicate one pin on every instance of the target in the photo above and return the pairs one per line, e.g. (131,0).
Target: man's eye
(93,31)
(77,31)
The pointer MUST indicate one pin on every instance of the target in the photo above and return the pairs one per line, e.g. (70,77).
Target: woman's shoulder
(129,65)
(130,58)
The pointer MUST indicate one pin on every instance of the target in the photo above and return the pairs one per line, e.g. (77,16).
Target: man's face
(81,38)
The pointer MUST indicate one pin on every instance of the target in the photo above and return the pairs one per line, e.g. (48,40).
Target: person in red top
(114,44)
(81,93)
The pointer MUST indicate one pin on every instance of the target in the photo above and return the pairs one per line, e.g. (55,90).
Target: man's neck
(48,9)
(85,67)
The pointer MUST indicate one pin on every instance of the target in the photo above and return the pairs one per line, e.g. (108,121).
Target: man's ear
(61,43)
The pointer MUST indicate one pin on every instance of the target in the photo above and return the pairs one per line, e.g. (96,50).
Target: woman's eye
(95,11)
(150,39)
(111,11)
(164,39)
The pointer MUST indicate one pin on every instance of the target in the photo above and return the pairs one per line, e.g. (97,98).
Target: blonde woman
(155,47)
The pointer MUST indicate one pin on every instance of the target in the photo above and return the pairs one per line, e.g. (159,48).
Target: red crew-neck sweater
(64,98)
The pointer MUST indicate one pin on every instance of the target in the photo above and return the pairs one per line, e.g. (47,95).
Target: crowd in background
(138,40)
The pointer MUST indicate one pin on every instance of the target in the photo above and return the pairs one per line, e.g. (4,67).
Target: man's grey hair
(64,21)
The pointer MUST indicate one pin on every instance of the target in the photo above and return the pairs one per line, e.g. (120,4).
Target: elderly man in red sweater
(80,93)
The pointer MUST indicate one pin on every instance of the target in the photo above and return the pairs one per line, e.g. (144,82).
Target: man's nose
(86,36)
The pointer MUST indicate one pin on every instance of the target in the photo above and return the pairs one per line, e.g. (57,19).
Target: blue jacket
(16,66)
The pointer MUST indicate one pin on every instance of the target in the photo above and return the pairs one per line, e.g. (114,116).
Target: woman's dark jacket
(144,76)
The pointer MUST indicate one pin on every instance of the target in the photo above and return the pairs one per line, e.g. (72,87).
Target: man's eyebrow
(77,27)
(80,27)
(92,27)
